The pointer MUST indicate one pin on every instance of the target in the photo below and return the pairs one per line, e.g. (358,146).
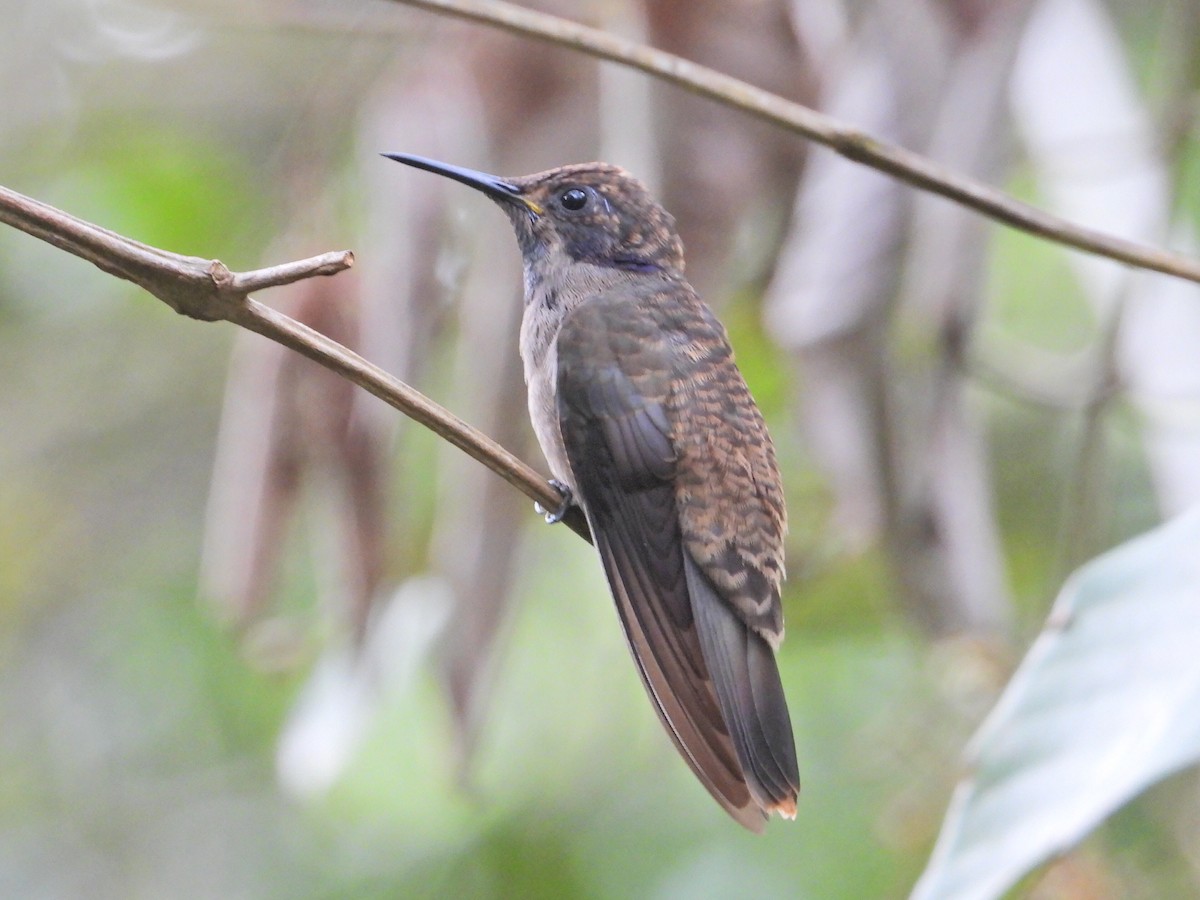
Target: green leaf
(1106,703)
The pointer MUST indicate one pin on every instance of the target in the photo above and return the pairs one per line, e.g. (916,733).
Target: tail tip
(786,808)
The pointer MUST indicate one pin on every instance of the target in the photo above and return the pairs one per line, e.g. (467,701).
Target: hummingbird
(648,425)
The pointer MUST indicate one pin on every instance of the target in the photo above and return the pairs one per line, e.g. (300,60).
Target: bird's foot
(556,515)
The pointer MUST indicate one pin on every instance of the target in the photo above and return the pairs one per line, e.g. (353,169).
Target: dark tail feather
(746,680)
(665,658)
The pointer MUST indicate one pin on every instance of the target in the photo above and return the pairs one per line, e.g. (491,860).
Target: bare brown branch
(849,142)
(207,290)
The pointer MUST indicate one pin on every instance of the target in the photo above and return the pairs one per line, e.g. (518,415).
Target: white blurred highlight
(118,29)
(1091,141)
(335,709)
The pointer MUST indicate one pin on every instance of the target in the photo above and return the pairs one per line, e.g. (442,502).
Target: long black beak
(494,187)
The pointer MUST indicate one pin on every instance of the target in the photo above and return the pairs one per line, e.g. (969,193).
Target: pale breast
(539,354)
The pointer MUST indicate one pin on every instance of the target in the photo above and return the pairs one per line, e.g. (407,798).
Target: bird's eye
(573,199)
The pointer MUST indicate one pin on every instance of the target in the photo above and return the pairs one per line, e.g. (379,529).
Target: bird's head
(592,213)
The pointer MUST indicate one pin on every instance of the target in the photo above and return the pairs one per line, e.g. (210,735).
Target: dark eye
(573,199)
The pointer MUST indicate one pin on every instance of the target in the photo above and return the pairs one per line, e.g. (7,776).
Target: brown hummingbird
(648,425)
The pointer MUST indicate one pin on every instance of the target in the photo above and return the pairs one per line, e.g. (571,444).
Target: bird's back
(675,471)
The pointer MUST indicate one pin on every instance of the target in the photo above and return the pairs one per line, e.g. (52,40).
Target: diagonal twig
(846,140)
(207,290)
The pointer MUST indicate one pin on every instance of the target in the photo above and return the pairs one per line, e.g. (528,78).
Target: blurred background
(259,638)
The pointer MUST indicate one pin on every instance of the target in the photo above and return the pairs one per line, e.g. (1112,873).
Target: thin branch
(205,289)
(849,142)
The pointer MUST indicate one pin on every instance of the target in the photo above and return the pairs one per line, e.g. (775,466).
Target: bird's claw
(556,515)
